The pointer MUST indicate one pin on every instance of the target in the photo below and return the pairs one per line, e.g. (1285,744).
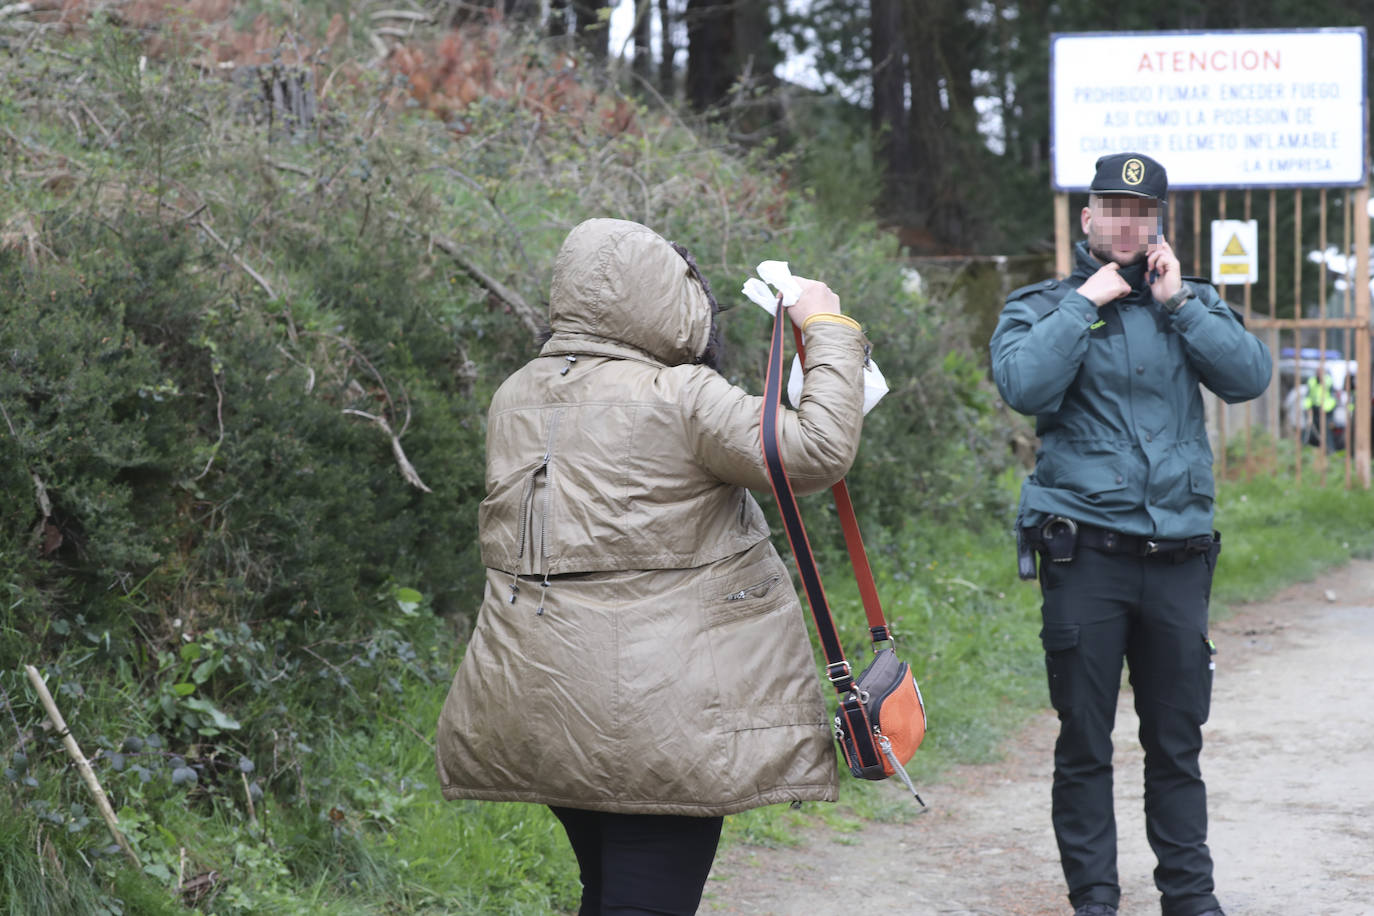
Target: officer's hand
(816,297)
(1162,264)
(1106,285)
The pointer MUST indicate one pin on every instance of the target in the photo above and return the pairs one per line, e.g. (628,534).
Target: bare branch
(289,167)
(244,265)
(219,415)
(407,469)
(411,15)
(513,300)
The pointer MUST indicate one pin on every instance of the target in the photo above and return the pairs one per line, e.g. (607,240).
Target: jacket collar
(569,343)
(1085,265)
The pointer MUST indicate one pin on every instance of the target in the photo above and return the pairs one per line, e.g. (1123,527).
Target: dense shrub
(244,388)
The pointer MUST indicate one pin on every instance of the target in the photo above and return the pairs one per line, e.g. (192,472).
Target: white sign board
(1235,109)
(1235,251)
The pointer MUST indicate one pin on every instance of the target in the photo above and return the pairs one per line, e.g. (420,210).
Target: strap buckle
(843,678)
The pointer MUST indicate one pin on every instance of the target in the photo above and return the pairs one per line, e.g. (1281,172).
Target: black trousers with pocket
(640,864)
(1099,609)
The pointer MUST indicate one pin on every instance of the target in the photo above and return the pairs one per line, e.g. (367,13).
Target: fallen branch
(290,167)
(510,297)
(407,469)
(74,751)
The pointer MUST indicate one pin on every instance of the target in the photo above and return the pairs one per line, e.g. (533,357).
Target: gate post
(1061,234)
(1362,330)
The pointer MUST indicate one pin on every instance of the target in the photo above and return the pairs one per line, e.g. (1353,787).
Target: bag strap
(838,670)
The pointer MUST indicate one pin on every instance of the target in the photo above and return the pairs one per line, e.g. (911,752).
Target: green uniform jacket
(1114,392)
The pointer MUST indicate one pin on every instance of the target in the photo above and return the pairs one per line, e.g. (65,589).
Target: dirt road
(1289,764)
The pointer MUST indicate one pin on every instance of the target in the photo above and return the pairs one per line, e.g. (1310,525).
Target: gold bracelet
(831,316)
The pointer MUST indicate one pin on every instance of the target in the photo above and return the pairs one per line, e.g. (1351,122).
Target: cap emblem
(1133,172)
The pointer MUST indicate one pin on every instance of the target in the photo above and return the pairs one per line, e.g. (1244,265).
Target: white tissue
(758,293)
(777,275)
(875,386)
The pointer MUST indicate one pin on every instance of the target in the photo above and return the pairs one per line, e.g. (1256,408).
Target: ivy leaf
(158,871)
(184,689)
(190,651)
(408,600)
(215,714)
(204,670)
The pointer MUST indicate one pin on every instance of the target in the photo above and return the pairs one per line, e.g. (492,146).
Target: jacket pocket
(1095,478)
(1090,478)
(1060,642)
(1201,484)
(756,589)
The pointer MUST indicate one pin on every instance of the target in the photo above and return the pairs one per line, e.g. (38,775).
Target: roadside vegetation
(245,353)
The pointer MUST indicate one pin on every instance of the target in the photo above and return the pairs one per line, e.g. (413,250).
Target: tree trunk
(558,18)
(755,56)
(593,31)
(521,10)
(666,50)
(710,52)
(643,33)
(887,54)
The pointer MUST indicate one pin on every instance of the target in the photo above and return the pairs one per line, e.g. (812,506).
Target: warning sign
(1235,251)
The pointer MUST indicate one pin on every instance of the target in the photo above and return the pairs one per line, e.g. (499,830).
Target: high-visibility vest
(1319,392)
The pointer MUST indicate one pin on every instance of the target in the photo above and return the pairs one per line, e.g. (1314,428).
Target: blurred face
(1121,229)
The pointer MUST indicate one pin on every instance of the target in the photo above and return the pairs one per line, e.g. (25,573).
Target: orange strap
(853,541)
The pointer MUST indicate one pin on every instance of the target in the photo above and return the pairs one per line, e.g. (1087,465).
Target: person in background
(1118,511)
(1319,403)
(640,662)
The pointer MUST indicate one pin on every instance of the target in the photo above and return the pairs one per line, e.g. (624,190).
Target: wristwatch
(1175,302)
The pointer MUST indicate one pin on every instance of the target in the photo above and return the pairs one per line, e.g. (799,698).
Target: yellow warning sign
(1235,251)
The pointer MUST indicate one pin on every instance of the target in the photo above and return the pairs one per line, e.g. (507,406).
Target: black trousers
(1098,609)
(635,864)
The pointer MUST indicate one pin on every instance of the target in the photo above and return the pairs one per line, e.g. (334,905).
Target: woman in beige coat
(640,662)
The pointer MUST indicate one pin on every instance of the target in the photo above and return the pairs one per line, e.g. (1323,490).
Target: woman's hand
(816,298)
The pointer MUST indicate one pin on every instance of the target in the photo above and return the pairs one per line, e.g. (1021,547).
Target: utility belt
(1059,538)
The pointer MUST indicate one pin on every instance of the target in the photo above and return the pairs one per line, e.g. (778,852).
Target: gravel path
(1289,764)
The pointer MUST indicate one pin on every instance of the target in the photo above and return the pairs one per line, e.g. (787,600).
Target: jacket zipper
(526,505)
(754,591)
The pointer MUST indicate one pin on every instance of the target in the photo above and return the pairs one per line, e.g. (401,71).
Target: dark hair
(714,355)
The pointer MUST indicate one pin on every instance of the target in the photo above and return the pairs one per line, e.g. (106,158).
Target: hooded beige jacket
(640,648)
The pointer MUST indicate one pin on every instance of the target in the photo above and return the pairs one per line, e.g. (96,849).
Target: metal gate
(1311,306)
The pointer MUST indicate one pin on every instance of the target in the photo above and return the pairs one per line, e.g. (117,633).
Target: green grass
(370,835)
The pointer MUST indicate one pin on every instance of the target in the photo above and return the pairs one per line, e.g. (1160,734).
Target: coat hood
(619,281)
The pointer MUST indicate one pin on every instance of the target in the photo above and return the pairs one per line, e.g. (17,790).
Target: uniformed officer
(1119,510)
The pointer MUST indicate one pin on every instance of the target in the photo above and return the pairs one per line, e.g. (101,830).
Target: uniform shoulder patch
(1042,286)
